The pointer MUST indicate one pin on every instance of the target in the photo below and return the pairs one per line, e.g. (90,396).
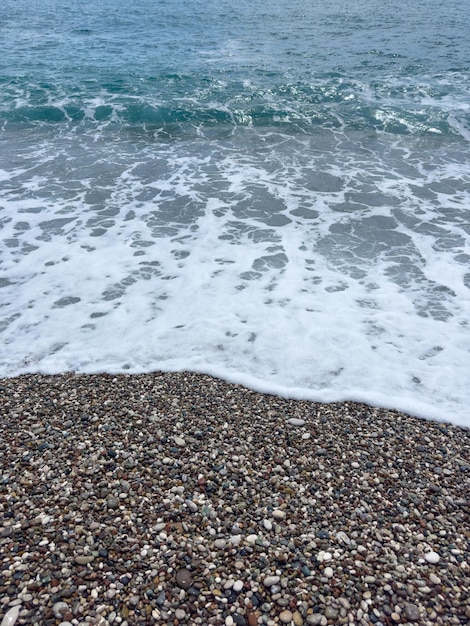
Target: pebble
(179,441)
(184,578)
(11,616)
(59,608)
(295,421)
(412,612)
(84,559)
(432,557)
(245,522)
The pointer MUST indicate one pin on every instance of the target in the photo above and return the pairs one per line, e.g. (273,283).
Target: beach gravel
(177,498)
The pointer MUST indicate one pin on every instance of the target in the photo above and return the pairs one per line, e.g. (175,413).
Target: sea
(275,193)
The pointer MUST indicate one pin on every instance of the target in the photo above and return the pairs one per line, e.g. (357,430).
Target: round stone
(278,514)
(331,612)
(59,608)
(269,581)
(180,614)
(412,612)
(184,578)
(432,557)
(179,441)
(238,586)
(328,571)
(285,617)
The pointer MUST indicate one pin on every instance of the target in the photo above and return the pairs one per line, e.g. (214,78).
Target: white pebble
(269,581)
(229,620)
(238,586)
(235,540)
(267,524)
(251,539)
(294,421)
(328,571)
(432,557)
(278,514)
(179,441)
(11,616)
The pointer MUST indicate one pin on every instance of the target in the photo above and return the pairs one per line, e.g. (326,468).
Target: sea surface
(276,193)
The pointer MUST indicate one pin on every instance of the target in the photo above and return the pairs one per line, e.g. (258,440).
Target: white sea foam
(312,274)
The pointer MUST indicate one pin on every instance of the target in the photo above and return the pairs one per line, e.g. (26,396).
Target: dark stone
(184,578)
(322,534)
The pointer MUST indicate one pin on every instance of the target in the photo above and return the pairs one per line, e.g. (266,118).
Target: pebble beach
(177,498)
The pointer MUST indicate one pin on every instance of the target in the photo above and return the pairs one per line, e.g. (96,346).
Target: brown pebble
(252,618)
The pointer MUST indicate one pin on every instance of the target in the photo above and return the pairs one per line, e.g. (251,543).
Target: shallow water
(278,195)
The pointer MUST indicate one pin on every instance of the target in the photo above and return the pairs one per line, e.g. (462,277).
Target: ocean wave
(293,107)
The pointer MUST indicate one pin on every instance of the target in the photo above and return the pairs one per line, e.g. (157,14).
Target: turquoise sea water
(276,193)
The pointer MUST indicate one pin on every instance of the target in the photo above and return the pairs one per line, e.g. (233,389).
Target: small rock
(180,614)
(297,618)
(220,544)
(412,612)
(294,421)
(112,502)
(269,581)
(59,608)
(315,619)
(331,612)
(192,506)
(267,525)
(11,616)
(328,572)
(184,578)
(237,586)
(179,441)
(286,617)
(432,557)
(278,514)
(252,618)
(83,559)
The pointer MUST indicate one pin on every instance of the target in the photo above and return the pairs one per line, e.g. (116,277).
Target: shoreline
(178,498)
